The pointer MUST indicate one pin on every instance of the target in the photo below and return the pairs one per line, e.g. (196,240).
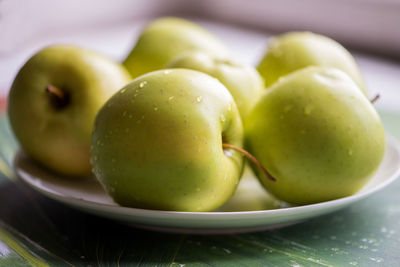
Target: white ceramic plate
(254,212)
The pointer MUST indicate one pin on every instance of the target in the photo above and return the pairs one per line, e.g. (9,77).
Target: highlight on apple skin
(53,102)
(317,134)
(296,50)
(166,37)
(158,142)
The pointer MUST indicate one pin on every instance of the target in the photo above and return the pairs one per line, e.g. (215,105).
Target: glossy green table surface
(35,230)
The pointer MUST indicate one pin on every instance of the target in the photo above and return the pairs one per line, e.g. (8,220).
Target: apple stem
(58,98)
(375,98)
(251,158)
(55,91)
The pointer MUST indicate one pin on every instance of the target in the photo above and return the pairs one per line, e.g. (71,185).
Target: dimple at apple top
(37,231)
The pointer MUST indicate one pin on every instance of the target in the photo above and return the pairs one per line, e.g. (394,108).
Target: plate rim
(116,209)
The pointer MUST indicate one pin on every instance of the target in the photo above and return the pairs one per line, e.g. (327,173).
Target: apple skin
(165,38)
(157,143)
(243,82)
(317,134)
(59,137)
(295,50)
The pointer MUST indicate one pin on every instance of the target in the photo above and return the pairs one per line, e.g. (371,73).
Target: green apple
(243,82)
(317,134)
(295,50)
(158,142)
(166,37)
(53,102)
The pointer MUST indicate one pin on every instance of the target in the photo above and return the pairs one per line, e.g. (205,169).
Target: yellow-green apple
(53,102)
(163,39)
(317,134)
(243,81)
(295,50)
(159,142)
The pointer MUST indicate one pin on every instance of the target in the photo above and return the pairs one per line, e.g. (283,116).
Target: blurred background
(370,28)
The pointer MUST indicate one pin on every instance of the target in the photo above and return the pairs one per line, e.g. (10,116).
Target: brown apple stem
(55,91)
(251,158)
(59,98)
(376,97)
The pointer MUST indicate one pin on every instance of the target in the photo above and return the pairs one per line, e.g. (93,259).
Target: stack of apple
(173,138)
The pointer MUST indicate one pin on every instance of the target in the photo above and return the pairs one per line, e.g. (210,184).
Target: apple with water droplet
(243,81)
(164,38)
(158,142)
(317,134)
(53,102)
(295,50)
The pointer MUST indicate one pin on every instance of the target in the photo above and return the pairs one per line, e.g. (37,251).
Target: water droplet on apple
(130,116)
(222,118)
(122,90)
(308,109)
(142,84)
(167,71)
(228,152)
(198,189)
(199,99)
(124,113)
(350,152)
(97,171)
(171,98)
